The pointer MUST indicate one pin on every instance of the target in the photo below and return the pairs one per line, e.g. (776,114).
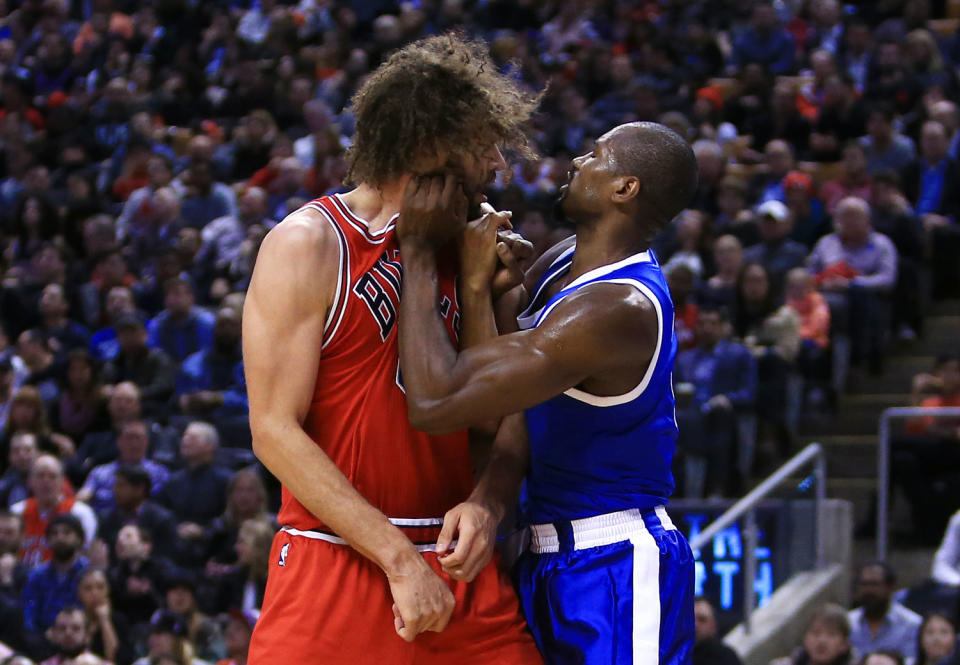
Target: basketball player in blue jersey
(607,578)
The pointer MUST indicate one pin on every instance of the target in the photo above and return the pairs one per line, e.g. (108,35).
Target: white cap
(775,209)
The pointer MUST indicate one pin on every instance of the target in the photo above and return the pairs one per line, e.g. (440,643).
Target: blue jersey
(591,455)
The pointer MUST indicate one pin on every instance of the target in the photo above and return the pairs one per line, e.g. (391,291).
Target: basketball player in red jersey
(354,576)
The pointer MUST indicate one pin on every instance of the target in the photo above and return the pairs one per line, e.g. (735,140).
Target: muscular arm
(283,321)
(447,391)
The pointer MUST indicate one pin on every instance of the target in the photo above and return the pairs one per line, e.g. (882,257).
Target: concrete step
(858,491)
(943,308)
(851,456)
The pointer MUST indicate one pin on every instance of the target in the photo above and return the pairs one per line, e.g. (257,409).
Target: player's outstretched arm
(474,522)
(284,315)
(603,331)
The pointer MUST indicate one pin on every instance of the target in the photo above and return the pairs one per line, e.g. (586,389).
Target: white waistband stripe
(596,531)
(337,540)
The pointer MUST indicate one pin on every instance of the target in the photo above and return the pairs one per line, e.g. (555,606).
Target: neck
(604,242)
(876,614)
(48,502)
(376,205)
(54,320)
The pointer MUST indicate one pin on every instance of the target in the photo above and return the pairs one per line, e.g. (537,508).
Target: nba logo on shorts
(283,555)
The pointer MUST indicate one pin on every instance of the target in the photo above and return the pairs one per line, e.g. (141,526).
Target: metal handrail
(746,508)
(883,460)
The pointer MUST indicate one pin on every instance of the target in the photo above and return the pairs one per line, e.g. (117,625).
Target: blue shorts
(615,589)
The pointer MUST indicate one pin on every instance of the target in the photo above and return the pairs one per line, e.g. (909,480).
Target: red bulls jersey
(359,411)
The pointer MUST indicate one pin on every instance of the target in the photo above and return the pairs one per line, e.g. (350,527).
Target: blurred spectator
(855,267)
(681,280)
(100,447)
(136,577)
(211,382)
(132,443)
(810,222)
(689,234)
(779,160)
(708,649)
(47,502)
(198,493)
(246,500)
(776,252)
(721,289)
(70,635)
(855,180)
(735,217)
(205,199)
(223,236)
(237,636)
(938,641)
(841,121)
(110,271)
(893,217)
(159,230)
(884,147)
(242,586)
(826,641)
(168,639)
(879,622)
(27,414)
(932,183)
(883,657)
(109,636)
(43,372)
(132,505)
(203,632)
(765,42)
(151,370)
(52,586)
(13,573)
(712,381)
(14,485)
(80,407)
(946,562)
(182,328)
(814,315)
(103,344)
(6,391)
(711,166)
(62,333)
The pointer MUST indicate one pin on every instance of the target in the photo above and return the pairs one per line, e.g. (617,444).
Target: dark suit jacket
(912,177)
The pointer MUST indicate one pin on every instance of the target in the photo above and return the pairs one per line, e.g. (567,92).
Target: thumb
(510,261)
(449,530)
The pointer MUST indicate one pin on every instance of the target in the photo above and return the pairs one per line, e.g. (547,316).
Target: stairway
(850,436)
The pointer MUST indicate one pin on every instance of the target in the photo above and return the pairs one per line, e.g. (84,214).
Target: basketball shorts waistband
(597,531)
(429,523)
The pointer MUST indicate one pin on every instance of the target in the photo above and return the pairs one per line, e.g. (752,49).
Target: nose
(497,162)
(578,161)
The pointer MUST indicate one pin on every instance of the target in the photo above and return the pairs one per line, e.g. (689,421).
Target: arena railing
(813,455)
(883,461)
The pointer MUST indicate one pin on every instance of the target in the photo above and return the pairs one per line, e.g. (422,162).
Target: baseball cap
(774,209)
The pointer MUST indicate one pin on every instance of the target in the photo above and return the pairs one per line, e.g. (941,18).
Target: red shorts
(328,604)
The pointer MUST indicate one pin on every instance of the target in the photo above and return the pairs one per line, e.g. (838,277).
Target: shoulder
(304,245)
(82,510)
(906,615)
(542,264)
(19,507)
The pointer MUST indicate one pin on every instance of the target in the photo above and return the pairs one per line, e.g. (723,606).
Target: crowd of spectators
(147,146)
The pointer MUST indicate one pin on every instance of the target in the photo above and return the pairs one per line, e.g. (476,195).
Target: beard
(63,553)
(559,207)
(72,651)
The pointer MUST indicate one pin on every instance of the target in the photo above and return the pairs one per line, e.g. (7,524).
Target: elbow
(428,417)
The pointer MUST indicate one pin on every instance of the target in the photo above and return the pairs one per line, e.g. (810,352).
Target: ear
(625,188)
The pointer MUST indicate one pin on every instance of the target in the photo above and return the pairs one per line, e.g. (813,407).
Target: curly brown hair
(436,96)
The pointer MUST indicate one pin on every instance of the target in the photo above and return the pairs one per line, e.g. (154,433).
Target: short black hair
(69,520)
(883,109)
(889,574)
(715,308)
(887,177)
(136,476)
(665,164)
